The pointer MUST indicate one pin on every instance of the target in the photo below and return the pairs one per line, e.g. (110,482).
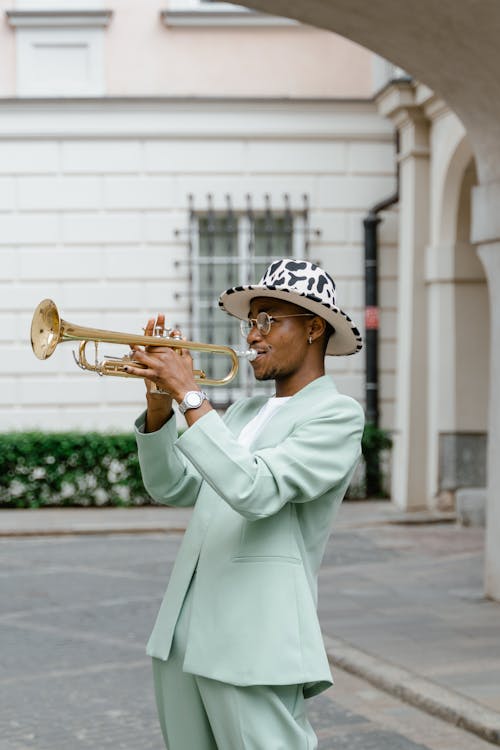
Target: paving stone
(76,612)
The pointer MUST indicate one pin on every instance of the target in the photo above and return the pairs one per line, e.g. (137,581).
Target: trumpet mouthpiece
(248,354)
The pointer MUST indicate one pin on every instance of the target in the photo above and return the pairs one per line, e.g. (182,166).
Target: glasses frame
(264,326)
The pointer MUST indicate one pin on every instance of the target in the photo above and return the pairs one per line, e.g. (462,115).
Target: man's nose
(254,335)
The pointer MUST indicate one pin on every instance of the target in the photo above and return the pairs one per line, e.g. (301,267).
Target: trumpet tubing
(48,330)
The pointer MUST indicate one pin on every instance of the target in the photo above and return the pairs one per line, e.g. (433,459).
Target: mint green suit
(260,524)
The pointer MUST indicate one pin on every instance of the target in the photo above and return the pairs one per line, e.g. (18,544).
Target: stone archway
(458,344)
(452,46)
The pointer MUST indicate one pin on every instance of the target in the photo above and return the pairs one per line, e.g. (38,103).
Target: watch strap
(184,405)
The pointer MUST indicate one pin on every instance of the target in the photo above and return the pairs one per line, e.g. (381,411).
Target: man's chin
(263,377)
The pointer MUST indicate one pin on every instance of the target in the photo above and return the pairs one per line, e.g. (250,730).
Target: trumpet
(48,330)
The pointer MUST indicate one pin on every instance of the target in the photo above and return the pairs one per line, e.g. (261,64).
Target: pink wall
(144,57)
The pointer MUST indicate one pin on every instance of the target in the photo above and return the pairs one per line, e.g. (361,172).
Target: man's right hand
(159,405)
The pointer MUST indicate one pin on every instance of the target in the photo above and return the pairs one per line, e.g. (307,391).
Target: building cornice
(227,118)
(433,106)
(112,101)
(396,96)
(58,18)
(222,18)
(404,98)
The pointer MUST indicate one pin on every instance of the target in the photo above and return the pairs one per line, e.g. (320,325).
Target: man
(237,646)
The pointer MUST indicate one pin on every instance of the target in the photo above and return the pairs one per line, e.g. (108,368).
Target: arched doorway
(459,347)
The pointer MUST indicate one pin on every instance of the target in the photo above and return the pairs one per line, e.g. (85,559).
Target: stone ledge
(418,691)
(213,17)
(59,18)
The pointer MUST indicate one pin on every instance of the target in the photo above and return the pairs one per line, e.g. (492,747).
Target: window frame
(60,33)
(245,261)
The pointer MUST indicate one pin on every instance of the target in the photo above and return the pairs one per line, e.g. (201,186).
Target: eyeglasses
(263,322)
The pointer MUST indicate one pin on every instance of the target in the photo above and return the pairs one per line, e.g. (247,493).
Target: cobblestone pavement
(75,615)
(413,596)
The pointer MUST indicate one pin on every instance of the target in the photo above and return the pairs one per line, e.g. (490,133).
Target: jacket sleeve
(166,474)
(318,455)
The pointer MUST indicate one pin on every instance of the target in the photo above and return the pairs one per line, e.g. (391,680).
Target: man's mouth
(260,352)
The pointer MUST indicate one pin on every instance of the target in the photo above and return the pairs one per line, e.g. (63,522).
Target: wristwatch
(192,400)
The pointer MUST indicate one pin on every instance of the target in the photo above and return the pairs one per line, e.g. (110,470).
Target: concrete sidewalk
(55,521)
(401,601)
(157,518)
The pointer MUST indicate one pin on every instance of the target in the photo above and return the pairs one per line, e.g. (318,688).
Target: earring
(309,340)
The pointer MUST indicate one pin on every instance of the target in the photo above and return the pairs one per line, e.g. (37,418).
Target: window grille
(229,248)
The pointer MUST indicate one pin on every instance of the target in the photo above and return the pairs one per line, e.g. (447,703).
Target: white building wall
(90,201)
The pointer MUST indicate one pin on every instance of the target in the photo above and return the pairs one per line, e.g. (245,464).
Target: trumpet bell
(48,330)
(45,329)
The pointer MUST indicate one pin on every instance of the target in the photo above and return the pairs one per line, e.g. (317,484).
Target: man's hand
(169,369)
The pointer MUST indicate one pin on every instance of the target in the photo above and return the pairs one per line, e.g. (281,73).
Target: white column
(442,358)
(409,490)
(486,232)
(490,256)
(458,353)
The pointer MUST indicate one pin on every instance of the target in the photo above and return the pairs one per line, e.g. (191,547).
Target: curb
(402,520)
(179,527)
(89,531)
(418,691)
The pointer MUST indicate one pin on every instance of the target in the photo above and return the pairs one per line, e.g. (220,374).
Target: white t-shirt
(252,429)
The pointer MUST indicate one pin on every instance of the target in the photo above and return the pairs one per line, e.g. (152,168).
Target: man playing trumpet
(237,646)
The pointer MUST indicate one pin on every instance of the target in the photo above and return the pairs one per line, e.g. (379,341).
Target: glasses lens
(245,327)
(263,323)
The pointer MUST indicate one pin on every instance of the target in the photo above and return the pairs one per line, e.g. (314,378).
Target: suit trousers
(197,713)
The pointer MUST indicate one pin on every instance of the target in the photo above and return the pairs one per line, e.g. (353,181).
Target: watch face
(193,398)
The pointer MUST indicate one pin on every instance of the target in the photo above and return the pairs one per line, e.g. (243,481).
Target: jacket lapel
(282,421)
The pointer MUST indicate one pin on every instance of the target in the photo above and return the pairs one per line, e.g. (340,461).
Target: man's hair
(329,331)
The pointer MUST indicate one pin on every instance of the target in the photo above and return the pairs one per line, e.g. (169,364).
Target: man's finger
(149,328)
(138,371)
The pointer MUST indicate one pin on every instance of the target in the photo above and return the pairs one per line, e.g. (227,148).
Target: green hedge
(375,442)
(68,468)
(41,469)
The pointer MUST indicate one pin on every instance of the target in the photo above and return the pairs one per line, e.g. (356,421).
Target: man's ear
(317,327)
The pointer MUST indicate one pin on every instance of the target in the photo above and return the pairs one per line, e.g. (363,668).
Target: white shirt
(252,429)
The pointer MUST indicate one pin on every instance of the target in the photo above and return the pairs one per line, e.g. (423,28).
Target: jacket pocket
(268,539)
(267,559)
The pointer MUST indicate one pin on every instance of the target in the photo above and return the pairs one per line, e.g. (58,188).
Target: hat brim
(346,339)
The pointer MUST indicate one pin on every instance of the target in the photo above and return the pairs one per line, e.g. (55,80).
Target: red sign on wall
(371,318)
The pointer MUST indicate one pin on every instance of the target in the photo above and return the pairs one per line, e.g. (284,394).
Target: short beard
(267,376)
(273,374)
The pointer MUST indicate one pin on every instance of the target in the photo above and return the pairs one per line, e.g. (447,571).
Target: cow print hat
(304,284)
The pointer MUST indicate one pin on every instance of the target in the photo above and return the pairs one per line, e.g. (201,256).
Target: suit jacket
(260,524)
